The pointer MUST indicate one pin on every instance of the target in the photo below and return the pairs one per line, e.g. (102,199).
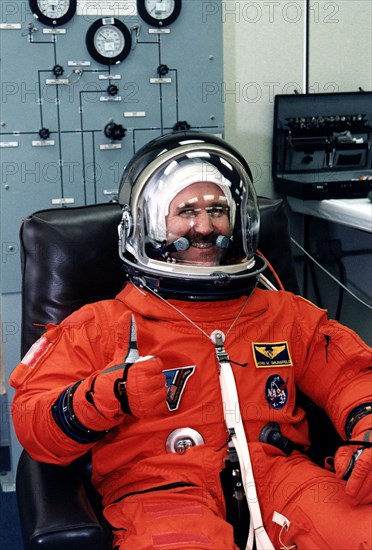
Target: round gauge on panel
(53,12)
(159,13)
(108,41)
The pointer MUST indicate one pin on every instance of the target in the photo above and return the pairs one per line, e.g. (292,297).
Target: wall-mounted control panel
(85,84)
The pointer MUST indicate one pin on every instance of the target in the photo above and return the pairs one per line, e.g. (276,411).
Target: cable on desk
(330,274)
(343,279)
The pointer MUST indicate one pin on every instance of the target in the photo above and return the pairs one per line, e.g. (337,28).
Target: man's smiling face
(200,213)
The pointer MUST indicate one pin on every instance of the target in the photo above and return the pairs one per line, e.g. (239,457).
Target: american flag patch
(175,380)
(35,352)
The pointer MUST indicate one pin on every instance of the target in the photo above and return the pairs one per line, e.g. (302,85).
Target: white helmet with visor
(190,219)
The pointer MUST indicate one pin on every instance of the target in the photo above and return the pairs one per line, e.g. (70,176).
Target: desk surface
(355,213)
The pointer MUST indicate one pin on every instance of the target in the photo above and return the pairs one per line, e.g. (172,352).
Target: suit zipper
(167,487)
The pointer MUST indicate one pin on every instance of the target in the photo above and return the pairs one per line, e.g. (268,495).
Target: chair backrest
(69,258)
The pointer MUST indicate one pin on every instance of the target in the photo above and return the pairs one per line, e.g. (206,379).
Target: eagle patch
(175,380)
(274,354)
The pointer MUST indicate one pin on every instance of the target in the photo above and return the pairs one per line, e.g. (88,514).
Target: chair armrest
(54,509)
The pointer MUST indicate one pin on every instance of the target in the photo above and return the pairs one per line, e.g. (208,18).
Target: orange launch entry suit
(154,498)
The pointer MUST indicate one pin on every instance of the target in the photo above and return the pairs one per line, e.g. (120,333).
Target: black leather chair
(70,258)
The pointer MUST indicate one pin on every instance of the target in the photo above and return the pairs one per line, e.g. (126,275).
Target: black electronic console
(322,145)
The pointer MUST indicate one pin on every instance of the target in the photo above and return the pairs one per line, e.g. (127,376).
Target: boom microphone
(182,243)
(222,241)
(179,244)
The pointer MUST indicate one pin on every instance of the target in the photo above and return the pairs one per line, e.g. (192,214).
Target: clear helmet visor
(196,212)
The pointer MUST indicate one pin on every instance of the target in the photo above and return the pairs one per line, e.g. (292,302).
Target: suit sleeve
(66,357)
(337,371)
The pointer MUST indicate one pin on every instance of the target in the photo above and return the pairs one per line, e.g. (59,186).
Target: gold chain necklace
(216,335)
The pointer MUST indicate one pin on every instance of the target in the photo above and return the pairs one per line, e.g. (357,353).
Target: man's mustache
(183,243)
(216,239)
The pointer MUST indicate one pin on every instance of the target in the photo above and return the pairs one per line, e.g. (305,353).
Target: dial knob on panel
(162,70)
(44,133)
(181,125)
(112,89)
(113,131)
(58,70)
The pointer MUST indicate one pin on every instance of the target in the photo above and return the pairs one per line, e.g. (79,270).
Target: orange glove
(143,390)
(353,463)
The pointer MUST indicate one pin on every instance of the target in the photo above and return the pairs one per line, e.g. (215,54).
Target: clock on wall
(108,40)
(159,13)
(53,12)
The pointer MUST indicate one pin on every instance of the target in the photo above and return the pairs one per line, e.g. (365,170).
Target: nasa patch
(276,391)
(175,380)
(274,354)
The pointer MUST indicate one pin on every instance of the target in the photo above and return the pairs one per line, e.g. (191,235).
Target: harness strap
(235,428)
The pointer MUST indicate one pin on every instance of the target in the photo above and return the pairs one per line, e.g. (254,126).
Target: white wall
(264,55)
(341,45)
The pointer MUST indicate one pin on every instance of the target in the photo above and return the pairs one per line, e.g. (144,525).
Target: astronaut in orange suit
(136,379)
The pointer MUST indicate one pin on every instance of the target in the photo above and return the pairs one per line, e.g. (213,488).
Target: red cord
(280,284)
